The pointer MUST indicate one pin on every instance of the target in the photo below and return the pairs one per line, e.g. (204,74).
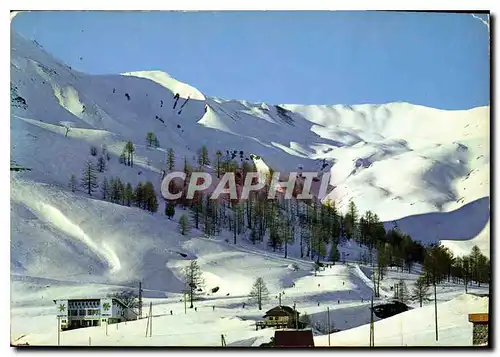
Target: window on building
(81,312)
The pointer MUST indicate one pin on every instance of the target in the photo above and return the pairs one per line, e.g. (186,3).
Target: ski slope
(426,169)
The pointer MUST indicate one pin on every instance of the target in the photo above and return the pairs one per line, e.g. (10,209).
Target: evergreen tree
(318,241)
(476,258)
(466,271)
(193,278)
(334,253)
(204,156)
(150,201)
(72,183)
(123,158)
(381,267)
(197,208)
(218,155)
(129,194)
(101,164)
(170,159)
(420,291)
(152,140)
(130,149)
(259,292)
(184,224)
(116,190)
(105,189)
(483,269)
(93,151)
(139,195)
(89,178)
(209,216)
(402,292)
(169,210)
(351,220)
(254,236)
(437,263)
(187,168)
(218,160)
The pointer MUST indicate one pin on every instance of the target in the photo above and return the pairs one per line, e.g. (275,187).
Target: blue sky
(433,59)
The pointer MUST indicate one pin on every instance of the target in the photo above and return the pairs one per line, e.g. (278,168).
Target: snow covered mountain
(425,169)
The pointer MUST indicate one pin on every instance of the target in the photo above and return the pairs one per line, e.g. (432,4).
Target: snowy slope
(417,165)
(454,328)
(427,169)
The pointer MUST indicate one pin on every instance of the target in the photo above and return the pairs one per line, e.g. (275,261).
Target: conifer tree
(218,155)
(89,178)
(72,183)
(420,291)
(334,255)
(259,293)
(129,194)
(193,278)
(169,210)
(105,189)
(184,224)
(101,164)
(129,150)
(170,159)
(139,195)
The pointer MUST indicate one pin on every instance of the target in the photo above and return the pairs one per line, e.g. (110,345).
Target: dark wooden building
(293,338)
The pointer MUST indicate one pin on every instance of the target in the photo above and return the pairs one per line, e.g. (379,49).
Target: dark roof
(280,311)
(293,338)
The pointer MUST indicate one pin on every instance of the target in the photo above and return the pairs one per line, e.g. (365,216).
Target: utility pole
(296,317)
(140,299)
(150,319)
(435,310)
(328,323)
(279,299)
(222,341)
(58,330)
(185,303)
(372,327)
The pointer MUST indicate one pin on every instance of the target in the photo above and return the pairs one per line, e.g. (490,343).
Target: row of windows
(84,312)
(83,303)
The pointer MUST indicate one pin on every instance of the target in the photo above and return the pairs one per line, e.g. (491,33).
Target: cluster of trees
(441,265)
(116,191)
(318,227)
(152,140)
(127,155)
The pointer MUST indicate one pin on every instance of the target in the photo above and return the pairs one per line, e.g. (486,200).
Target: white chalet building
(86,312)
